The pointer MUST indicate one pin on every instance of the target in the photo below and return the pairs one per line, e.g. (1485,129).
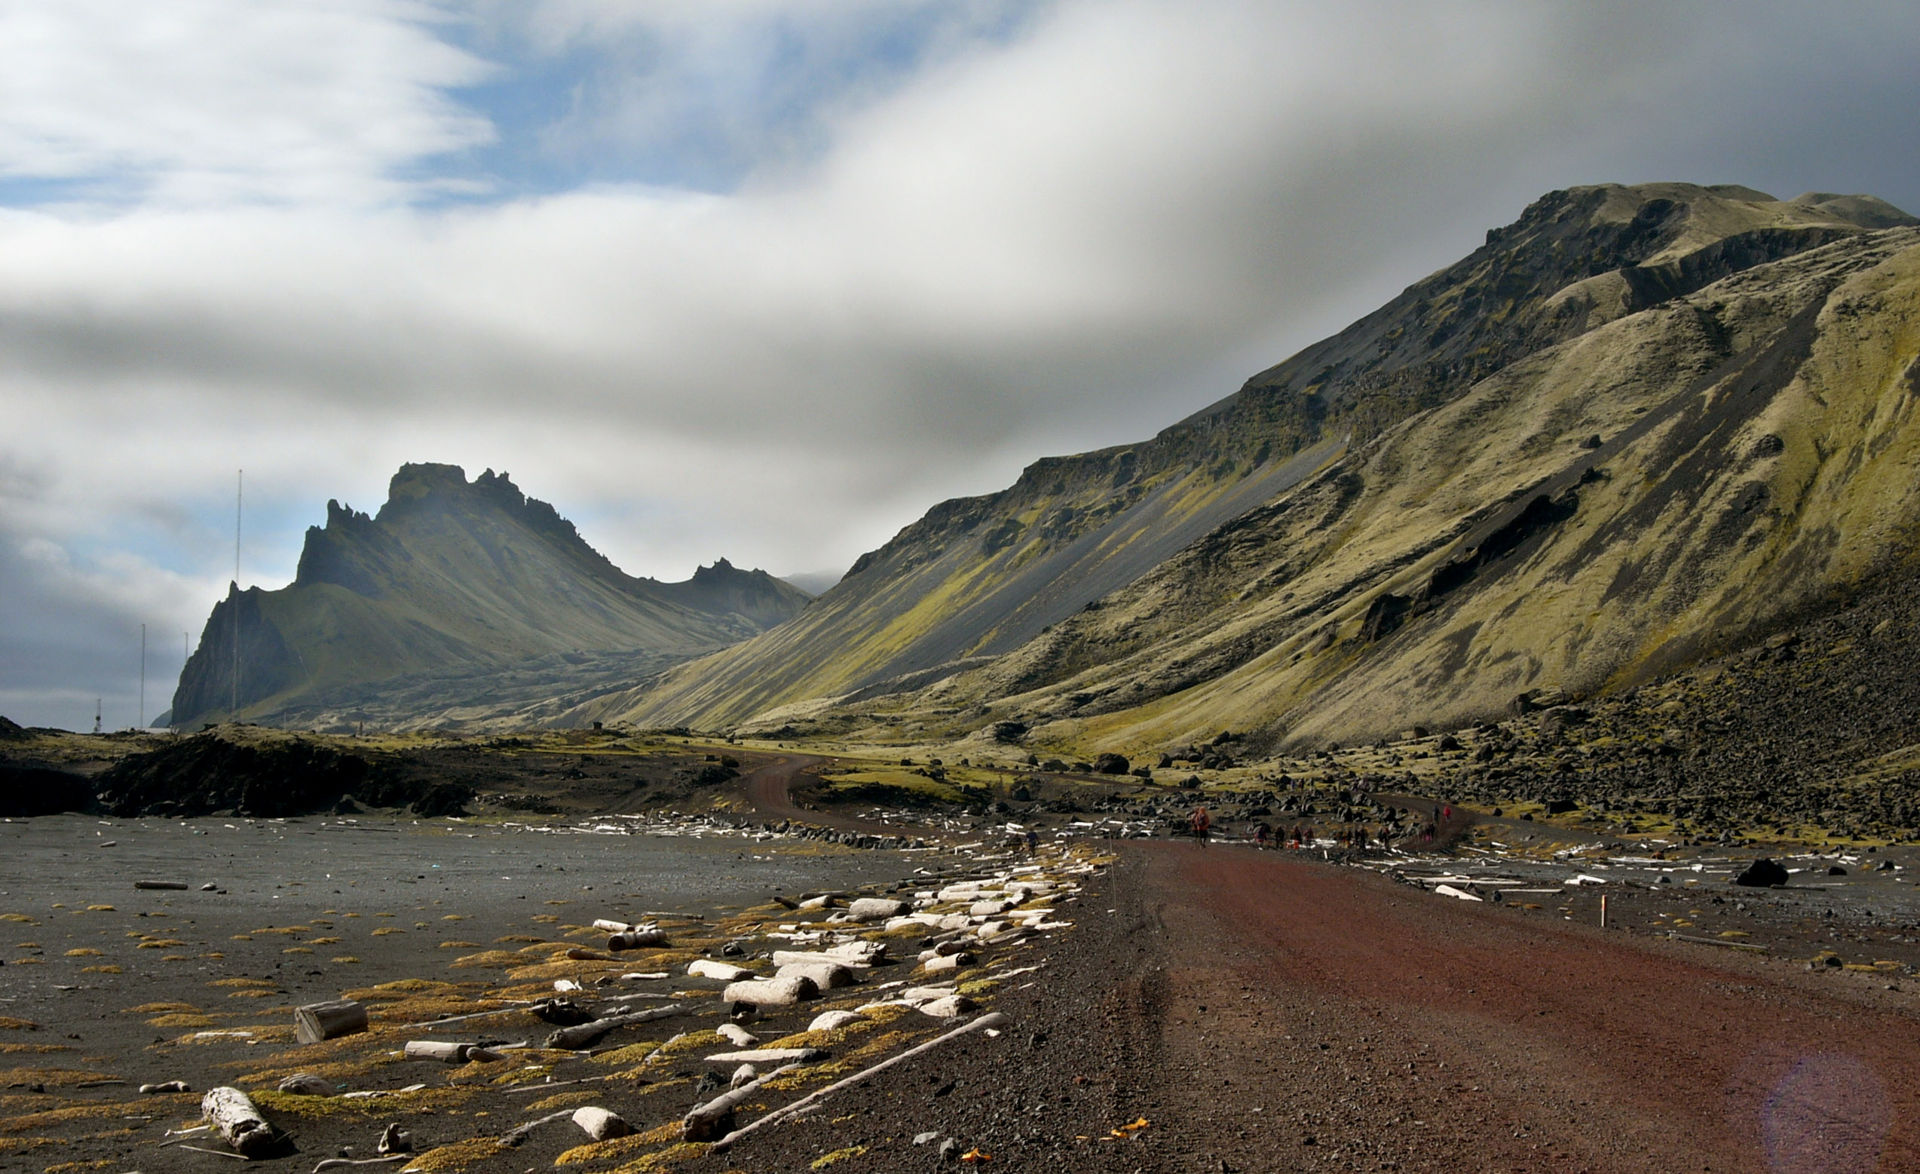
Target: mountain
(1638,426)
(457,602)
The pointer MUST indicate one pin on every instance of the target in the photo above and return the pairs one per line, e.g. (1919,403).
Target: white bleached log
(317,1021)
(768,1056)
(1450,891)
(825,975)
(876,908)
(636,939)
(780,991)
(994,1019)
(238,1119)
(724,971)
(833,1020)
(786,958)
(601,1124)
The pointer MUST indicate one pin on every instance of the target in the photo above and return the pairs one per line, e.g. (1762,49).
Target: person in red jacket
(1202,824)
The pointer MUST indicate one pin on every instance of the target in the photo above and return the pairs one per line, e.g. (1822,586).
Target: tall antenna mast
(239,497)
(143,677)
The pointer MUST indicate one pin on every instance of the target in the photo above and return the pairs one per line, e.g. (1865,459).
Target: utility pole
(143,677)
(239,498)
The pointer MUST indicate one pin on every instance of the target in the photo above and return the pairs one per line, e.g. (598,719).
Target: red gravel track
(1382,1024)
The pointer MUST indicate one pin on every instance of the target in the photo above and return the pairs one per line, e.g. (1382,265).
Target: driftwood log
(574,1038)
(238,1119)
(636,939)
(704,1122)
(448,1053)
(993,1019)
(317,1021)
(152,884)
(601,1124)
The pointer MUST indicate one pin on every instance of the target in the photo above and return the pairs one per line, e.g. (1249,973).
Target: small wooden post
(317,1021)
(1603,911)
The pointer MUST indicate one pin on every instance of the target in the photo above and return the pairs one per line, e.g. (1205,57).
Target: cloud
(208,102)
(766,280)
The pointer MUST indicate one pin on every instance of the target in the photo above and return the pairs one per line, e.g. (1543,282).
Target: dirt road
(1262,1012)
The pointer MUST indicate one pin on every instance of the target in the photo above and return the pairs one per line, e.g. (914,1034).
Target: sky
(755,279)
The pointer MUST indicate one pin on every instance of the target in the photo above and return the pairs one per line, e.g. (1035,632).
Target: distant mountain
(457,602)
(1637,426)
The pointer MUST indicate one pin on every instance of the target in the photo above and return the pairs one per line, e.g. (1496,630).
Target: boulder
(1762,873)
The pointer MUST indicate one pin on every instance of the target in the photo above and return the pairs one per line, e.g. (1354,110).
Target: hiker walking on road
(1202,823)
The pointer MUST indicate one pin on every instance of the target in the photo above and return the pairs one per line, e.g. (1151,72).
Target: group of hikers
(1353,837)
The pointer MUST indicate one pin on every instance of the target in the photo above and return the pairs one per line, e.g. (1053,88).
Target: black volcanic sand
(106,986)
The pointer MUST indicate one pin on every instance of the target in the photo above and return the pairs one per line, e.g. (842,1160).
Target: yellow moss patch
(33,1049)
(99,909)
(71,1167)
(241,937)
(100,970)
(159,1008)
(563,1100)
(323,941)
(458,945)
(253,982)
(402,987)
(286,929)
(666,1159)
(517,937)
(825,1160)
(384,930)
(159,944)
(346,960)
(458,1156)
(297,950)
(9,1023)
(181,1021)
(22,918)
(631,1054)
(495,958)
(454,917)
(251,994)
(53,1077)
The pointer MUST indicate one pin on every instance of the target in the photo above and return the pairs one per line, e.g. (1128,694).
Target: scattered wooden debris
(991,1020)
(586,1033)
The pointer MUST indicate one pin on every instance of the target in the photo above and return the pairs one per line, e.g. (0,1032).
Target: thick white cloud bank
(752,279)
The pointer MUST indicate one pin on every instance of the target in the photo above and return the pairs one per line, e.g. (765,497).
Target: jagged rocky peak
(453,577)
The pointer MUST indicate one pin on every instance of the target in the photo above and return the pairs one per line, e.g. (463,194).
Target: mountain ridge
(1721,285)
(447,579)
